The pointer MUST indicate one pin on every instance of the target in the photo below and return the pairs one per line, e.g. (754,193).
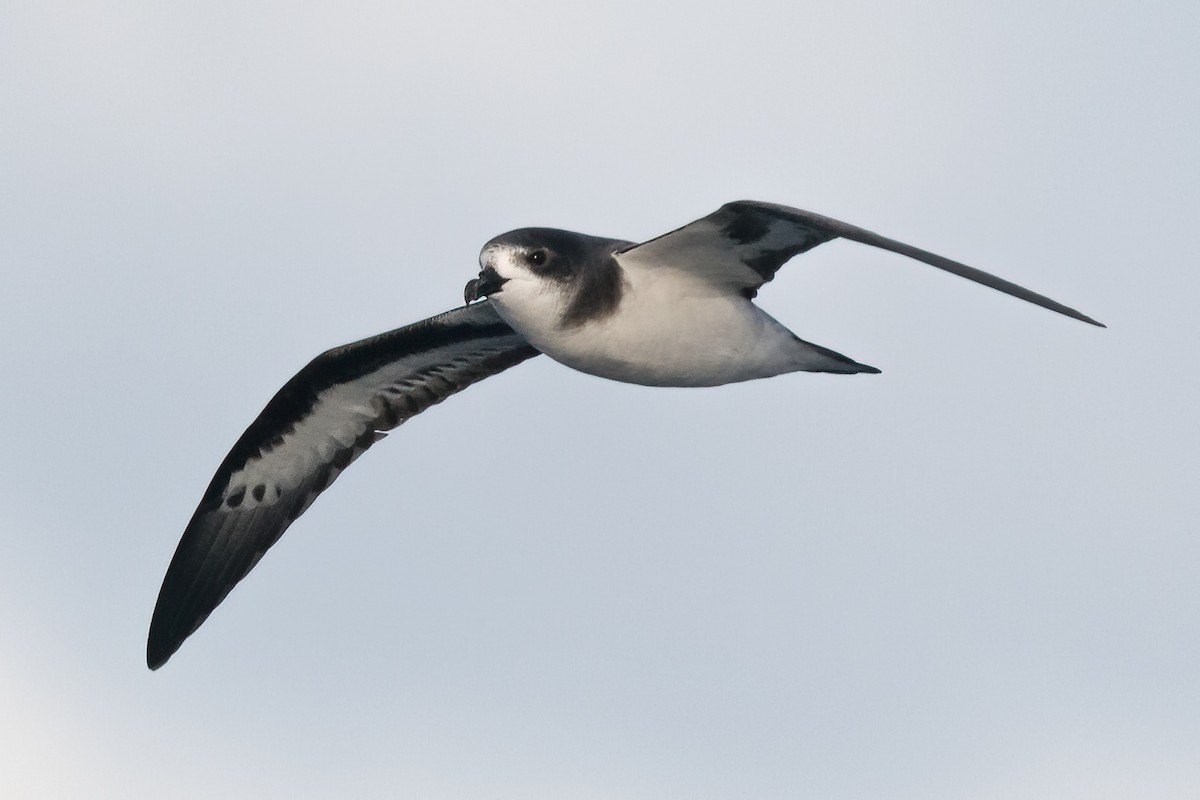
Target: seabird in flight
(674,311)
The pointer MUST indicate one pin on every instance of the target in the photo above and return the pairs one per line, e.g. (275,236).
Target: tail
(814,358)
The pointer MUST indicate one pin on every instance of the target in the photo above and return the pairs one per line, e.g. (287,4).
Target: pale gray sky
(973,576)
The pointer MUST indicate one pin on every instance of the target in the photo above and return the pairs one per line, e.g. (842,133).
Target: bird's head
(538,276)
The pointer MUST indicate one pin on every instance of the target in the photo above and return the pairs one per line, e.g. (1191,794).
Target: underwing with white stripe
(316,425)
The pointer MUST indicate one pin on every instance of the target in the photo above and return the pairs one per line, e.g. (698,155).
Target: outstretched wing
(320,421)
(742,245)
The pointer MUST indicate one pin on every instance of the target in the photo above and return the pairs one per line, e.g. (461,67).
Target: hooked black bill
(488,282)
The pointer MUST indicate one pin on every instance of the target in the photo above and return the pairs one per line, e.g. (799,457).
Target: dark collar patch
(597,287)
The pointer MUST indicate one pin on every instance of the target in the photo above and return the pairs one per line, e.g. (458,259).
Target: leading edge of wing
(317,423)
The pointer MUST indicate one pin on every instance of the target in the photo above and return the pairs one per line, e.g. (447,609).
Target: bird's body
(669,329)
(677,310)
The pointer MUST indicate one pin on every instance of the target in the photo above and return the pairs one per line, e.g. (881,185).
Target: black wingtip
(159,648)
(1066,311)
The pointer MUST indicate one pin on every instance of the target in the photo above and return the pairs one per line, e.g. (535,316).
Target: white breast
(669,329)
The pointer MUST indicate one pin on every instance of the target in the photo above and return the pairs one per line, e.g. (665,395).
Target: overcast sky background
(973,576)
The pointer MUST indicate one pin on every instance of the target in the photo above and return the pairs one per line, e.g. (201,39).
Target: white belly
(667,332)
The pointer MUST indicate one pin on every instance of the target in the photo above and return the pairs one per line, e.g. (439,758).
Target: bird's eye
(537,258)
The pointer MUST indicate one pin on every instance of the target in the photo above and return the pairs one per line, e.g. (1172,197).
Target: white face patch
(509,261)
(532,304)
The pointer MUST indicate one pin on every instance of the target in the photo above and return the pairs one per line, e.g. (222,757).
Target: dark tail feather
(821,359)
